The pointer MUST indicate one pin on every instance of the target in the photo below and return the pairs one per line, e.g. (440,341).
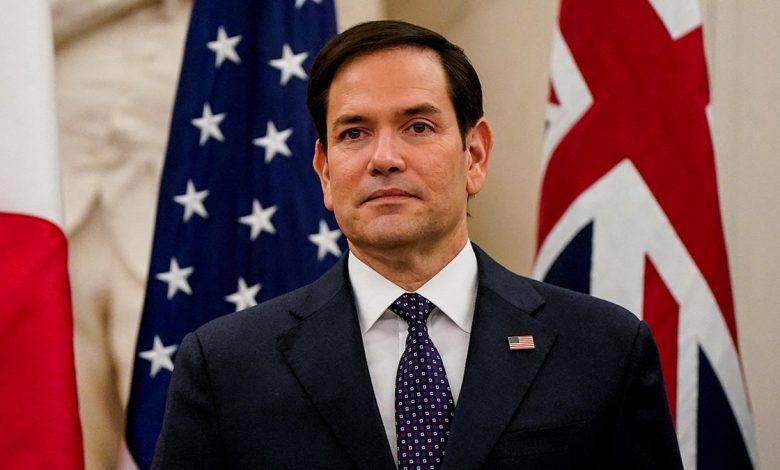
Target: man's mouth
(388,193)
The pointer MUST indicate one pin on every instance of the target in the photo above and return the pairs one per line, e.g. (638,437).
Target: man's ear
(479,144)
(320,164)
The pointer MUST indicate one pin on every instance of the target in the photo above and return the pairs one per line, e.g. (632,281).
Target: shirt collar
(453,290)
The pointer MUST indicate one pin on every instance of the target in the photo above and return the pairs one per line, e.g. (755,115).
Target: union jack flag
(240,216)
(629,206)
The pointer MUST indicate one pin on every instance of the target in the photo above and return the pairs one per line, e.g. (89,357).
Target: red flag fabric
(629,208)
(38,404)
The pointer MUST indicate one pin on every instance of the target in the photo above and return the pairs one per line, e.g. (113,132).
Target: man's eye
(420,128)
(352,134)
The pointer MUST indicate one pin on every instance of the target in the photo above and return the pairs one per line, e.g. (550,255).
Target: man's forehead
(414,71)
(377,62)
(414,49)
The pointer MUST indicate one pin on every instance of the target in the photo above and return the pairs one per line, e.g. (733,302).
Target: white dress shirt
(454,292)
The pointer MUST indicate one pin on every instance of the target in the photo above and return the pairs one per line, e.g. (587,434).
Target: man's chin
(388,237)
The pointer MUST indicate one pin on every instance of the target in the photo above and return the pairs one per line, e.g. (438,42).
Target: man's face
(396,173)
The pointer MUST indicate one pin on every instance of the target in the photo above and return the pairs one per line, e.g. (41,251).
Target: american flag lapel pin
(521,342)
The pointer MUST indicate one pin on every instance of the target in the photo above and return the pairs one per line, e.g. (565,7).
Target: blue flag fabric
(240,216)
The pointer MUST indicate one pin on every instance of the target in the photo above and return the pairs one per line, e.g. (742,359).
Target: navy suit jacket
(285,384)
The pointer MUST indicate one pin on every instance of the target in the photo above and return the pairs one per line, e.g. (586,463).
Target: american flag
(629,207)
(521,342)
(240,215)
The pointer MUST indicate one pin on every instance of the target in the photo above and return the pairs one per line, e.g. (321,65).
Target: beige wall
(508,41)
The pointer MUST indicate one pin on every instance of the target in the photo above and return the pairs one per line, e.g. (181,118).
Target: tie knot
(412,307)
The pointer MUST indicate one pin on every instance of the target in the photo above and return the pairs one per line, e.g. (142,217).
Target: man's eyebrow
(424,109)
(348,119)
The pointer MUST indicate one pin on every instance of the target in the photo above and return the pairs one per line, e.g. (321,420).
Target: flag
(521,342)
(38,404)
(240,217)
(629,206)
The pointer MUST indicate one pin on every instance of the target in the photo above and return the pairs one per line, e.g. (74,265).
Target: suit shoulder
(578,303)
(551,303)
(263,320)
(268,319)
(589,323)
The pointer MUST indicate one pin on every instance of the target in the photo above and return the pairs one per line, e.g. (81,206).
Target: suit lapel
(495,379)
(325,352)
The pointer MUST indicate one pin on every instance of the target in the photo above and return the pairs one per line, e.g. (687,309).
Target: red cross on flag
(629,207)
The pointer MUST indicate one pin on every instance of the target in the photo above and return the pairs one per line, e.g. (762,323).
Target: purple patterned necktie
(423,401)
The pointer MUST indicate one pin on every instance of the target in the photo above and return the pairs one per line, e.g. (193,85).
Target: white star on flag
(159,356)
(274,142)
(208,124)
(259,219)
(192,200)
(176,278)
(290,64)
(300,3)
(244,297)
(225,47)
(326,240)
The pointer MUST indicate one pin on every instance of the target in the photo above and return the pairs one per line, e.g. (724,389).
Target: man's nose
(386,157)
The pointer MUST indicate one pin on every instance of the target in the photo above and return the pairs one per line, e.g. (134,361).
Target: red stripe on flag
(662,313)
(38,404)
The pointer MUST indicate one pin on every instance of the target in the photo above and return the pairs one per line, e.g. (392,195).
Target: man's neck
(407,267)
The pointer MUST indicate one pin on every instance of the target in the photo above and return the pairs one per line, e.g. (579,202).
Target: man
(495,370)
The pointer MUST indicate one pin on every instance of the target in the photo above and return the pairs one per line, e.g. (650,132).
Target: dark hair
(463,85)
